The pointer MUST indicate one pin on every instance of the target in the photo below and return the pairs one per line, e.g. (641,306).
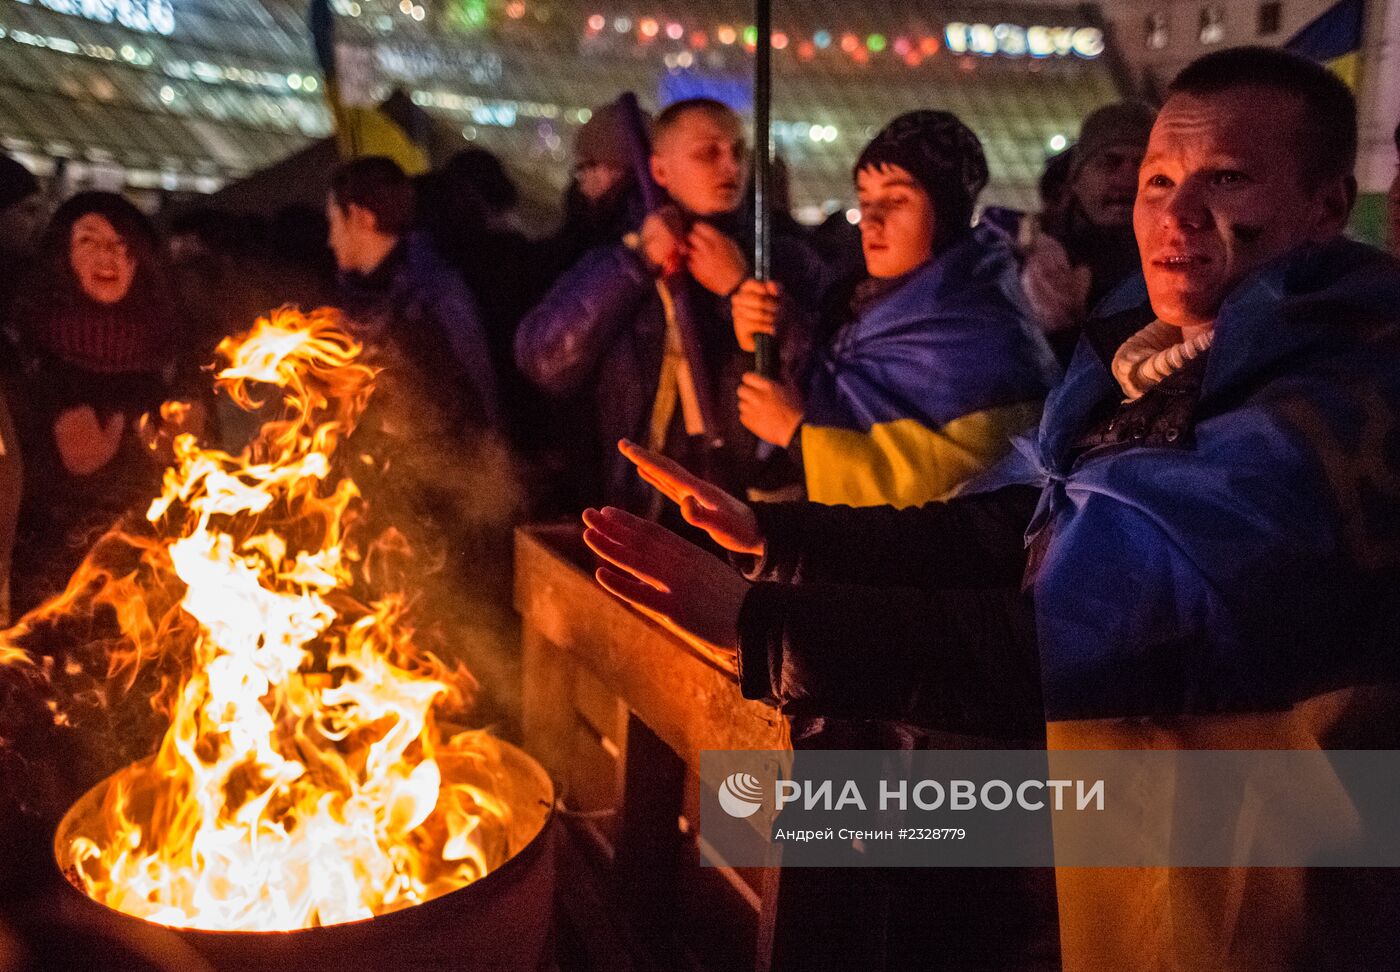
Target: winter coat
(1224,575)
(417,302)
(601,327)
(926,386)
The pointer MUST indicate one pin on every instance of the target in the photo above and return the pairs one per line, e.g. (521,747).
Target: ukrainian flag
(927,387)
(359,130)
(1334,38)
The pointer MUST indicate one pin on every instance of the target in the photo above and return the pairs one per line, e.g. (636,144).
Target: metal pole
(765,357)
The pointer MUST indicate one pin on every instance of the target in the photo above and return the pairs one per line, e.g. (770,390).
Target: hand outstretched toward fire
(729,522)
(671,580)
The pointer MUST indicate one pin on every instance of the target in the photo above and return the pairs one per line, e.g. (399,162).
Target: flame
(303,779)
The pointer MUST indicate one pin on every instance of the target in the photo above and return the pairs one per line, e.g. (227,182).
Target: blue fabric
(1334,32)
(1257,566)
(956,338)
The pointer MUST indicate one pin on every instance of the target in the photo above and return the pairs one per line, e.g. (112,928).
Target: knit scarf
(104,338)
(1152,354)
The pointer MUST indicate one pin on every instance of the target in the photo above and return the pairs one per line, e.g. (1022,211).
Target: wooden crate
(618,709)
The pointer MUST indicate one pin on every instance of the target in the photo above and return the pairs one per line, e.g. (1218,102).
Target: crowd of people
(1133,457)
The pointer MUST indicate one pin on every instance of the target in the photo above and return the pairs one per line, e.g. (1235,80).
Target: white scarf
(1152,354)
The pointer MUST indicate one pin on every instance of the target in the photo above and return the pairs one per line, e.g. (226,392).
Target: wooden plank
(687,700)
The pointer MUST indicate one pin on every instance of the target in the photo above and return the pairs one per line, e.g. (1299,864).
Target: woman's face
(101,260)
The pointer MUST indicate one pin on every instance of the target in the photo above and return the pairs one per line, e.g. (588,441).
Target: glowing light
(675,31)
(822,39)
(515,9)
(849,43)
(780,41)
(622,24)
(853,216)
(751,35)
(699,40)
(597,22)
(902,46)
(1057,143)
(928,46)
(913,59)
(648,28)
(685,59)
(806,50)
(726,34)
(875,43)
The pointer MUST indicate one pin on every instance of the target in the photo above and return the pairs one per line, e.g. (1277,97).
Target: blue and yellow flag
(359,130)
(927,387)
(1333,38)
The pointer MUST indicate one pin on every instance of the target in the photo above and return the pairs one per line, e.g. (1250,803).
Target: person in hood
(22,213)
(1197,547)
(934,362)
(607,327)
(1083,246)
(603,203)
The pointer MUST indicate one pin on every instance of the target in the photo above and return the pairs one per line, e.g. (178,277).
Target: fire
(304,778)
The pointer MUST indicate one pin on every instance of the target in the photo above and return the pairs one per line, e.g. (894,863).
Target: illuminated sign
(150,16)
(1010,40)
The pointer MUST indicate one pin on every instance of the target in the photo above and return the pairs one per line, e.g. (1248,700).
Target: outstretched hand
(729,522)
(669,579)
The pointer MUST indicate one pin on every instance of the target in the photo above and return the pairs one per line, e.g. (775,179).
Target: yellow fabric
(904,462)
(1345,66)
(363,131)
(1222,919)
(675,381)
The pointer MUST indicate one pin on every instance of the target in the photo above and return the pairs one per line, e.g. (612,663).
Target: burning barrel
(307,805)
(501,921)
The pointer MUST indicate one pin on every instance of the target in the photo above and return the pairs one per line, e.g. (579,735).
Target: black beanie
(946,158)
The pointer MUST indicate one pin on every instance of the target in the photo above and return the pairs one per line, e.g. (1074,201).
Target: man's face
(21,224)
(100,258)
(596,179)
(700,162)
(897,221)
(1221,192)
(1107,185)
(342,237)
(1393,206)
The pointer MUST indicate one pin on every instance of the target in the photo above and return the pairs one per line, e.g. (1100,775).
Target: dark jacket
(601,328)
(416,302)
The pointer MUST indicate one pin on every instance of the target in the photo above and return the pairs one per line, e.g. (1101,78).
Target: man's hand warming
(669,579)
(730,523)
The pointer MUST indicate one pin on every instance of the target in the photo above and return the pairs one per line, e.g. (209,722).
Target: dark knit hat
(1125,123)
(16,183)
(943,154)
(603,138)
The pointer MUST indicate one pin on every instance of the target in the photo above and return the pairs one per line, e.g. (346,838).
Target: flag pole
(765,358)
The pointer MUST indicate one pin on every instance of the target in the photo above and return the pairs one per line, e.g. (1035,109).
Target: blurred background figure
(1084,245)
(22,213)
(602,203)
(101,340)
(404,300)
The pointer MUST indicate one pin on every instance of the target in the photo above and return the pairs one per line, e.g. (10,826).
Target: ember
(304,778)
